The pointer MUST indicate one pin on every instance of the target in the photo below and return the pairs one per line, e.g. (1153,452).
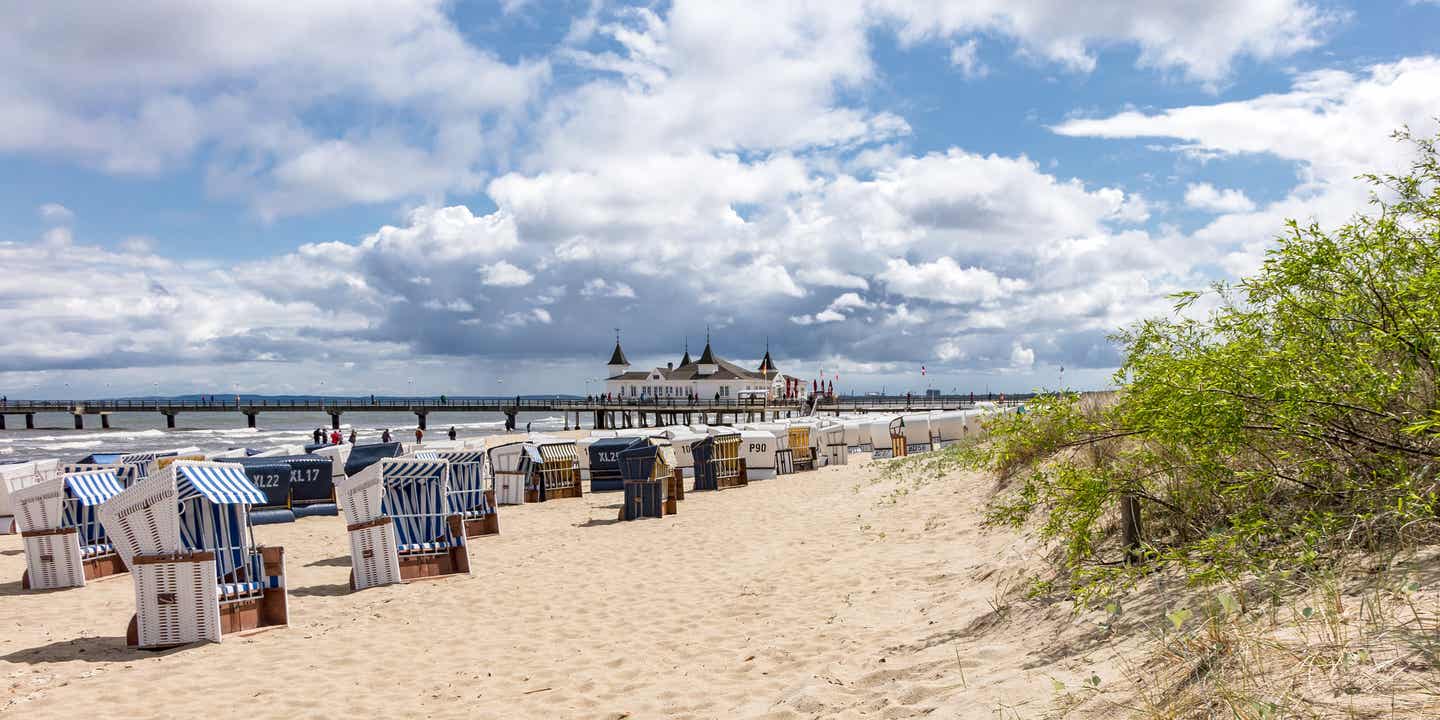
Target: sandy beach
(836,593)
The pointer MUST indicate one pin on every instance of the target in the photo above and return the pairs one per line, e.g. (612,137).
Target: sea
(54,435)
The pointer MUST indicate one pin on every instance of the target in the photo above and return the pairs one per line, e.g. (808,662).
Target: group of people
(335,438)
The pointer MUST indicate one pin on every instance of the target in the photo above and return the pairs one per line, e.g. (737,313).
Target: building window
(724,391)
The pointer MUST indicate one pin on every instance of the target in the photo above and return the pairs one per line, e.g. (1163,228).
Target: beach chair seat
(184,532)
(65,544)
(469,496)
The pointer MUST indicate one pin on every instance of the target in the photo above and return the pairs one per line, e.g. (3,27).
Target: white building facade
(708,378)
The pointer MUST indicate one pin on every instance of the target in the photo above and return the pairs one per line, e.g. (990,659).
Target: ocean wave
(113,436)
(86,444)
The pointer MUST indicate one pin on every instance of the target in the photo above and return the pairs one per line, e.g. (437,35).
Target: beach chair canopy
(93,487)
(220,484)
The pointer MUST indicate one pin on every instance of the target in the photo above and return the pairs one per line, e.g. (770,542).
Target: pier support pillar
(79,421)
(419,420)
(250,419)
(105,421)
(2,422)
(29,421)
(170,420)
(335,421)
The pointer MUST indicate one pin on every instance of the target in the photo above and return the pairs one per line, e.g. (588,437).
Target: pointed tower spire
(767,366)
(618,363)
(686,360)
(707,358)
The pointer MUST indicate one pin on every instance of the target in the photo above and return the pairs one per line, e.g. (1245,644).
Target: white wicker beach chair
(65,545)
(398,514)
(183,532)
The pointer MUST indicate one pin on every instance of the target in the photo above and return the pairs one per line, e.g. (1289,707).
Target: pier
(604,413)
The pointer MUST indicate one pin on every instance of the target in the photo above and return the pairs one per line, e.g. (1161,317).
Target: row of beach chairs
(182,525)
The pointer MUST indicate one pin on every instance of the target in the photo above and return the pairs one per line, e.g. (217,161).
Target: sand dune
(834,593)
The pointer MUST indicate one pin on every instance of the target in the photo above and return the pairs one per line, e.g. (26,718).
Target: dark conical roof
(618,357)
(766,364)
(707,357)
(685,360)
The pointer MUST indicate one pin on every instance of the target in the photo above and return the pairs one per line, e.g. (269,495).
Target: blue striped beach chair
(401,523)
(470,498)
(648,471)
(184,532)
(65,544)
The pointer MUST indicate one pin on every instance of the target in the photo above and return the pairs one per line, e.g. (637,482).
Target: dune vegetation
(1273,445)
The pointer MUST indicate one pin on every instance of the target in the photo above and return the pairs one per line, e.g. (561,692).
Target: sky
(417,196)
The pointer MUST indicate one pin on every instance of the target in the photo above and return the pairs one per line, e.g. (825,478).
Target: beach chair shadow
(85,649)
(332,590)
(337,561)
(597,522)
(12,552)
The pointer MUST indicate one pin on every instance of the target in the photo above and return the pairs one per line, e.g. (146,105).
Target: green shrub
(1267,425)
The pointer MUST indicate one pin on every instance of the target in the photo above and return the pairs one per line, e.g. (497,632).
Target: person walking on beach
(527,428)
(419,436)
(316,435)
(385,436)
(335,437)
(352,436)
(452,432)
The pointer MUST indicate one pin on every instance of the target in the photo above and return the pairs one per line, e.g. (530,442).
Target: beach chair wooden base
(573,491)
(487,525)
(436,564)
(740,480)
(645,499)
(104,566)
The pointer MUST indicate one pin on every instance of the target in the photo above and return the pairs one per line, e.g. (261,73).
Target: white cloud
(1334,125)
(452,305)
(1200,39)
(965,57)
(945,281)
(55,213)
(598,287)
(526,317)
(504,274)
(1021,357)
(1204,196)
(249,88)
(828,277)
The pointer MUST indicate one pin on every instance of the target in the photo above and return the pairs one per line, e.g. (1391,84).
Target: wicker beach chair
(184,533)
(718,464)
(801,453)
(559,472)
(648,470)
(512,468)
(401,525)
(65,544)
